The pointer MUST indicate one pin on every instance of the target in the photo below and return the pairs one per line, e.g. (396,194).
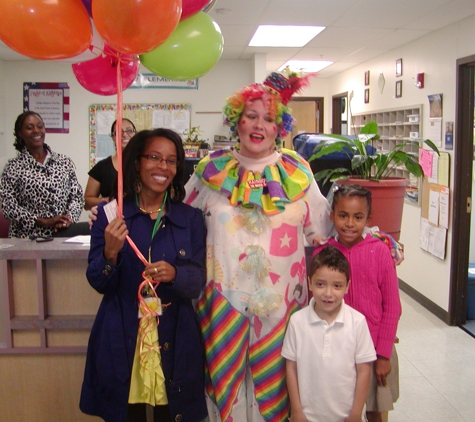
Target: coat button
(166,346)
(178,418)
(107,270)
(182,252)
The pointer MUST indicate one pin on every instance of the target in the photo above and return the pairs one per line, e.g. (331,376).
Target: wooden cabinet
(47,304)
(396,126)
(47,311)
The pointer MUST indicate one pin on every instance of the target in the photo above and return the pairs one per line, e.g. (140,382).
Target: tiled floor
(437,369)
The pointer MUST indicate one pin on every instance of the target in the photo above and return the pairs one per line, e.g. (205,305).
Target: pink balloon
(191,7)
(99,75)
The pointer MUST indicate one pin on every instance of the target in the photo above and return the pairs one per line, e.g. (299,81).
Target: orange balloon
(136,26)
(45,30)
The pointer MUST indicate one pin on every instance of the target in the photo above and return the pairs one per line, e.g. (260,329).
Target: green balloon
(189,52)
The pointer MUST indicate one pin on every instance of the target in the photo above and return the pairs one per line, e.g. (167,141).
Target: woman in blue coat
(127,367)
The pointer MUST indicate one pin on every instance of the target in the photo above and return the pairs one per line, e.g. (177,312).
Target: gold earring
(137,186)
(172,192)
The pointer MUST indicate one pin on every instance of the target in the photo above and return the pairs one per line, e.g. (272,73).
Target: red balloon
(45,30)
(191,7)
(99,75)
(136,26)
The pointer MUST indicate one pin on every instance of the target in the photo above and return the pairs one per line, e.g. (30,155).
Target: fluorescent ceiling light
(306,66)
(284,35)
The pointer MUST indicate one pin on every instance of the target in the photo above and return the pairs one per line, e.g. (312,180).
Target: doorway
(463,177)
(308,113)
(340,114)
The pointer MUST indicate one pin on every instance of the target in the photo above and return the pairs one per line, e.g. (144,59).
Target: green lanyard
(158,221)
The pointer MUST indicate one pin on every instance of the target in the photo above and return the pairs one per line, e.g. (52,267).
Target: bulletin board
(144,116)
(435,207)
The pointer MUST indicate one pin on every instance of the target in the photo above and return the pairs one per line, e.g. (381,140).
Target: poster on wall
(434,132)
(51,101)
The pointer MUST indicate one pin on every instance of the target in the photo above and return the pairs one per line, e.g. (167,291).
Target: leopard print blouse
(31,190)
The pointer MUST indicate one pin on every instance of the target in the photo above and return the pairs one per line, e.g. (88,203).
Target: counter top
(30,249)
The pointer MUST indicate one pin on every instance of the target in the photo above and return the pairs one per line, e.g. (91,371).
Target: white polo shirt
(326,357)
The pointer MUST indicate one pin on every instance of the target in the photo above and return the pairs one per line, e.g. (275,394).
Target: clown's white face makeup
(257,130)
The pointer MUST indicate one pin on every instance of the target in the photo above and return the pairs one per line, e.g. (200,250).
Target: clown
(260,202)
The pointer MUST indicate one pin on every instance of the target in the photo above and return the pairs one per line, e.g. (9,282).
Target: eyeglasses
(160,160)
(129,132)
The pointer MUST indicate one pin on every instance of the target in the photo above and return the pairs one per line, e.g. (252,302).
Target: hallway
(437,369)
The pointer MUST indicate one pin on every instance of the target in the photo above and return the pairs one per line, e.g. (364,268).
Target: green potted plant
(193,141)
(372,169)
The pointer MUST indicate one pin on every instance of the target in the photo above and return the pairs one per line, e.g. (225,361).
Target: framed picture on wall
(366,78)
(366,95)
(398,89)
(398,67)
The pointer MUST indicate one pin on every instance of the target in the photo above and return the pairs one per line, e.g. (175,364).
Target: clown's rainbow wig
(276,92)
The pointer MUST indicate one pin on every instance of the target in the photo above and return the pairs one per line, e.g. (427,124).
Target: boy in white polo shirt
(328,348)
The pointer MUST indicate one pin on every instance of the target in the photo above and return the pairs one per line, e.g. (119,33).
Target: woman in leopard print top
(39,191)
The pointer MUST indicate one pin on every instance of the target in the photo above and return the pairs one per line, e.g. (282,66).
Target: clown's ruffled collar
(279,183)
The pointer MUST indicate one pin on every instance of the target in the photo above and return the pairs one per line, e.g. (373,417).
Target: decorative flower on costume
(254,259)
(254,220)
(265,298)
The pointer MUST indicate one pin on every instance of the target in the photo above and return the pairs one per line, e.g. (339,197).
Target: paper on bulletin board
(425,160)
(444,198)
(425,189)
(434,196)
(435,131)
(432,239)
(434,176)
(444,169)
(431,208)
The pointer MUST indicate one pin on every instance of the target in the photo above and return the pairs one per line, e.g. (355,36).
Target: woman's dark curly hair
(131,160)
(19,143)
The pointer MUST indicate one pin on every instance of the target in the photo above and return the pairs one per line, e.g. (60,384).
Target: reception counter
(48,308)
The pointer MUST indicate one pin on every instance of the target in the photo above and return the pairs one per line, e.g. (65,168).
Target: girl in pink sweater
(373,290)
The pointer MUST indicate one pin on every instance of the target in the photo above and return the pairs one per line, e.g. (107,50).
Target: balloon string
(118,143)
(137,251)
(149,320)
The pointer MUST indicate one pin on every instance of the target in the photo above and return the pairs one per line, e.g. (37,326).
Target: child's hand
(382,367)
(298,417)
(92,216)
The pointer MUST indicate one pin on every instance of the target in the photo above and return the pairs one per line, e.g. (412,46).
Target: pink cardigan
(374,289)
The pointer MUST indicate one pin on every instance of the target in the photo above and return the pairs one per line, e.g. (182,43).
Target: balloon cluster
(173,38)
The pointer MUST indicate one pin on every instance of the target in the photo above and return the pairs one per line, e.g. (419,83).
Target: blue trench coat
(181,242)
